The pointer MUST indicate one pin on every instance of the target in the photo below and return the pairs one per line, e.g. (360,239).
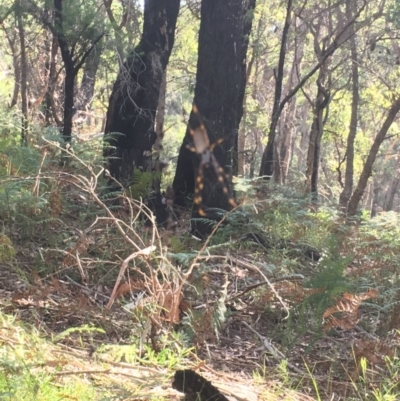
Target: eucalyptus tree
(378,73)
(219,92)
(129,132)
(349,173)
(75,25)
(339,35)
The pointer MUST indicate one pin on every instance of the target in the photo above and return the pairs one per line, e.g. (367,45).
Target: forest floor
(79,337)
(95,304)
(101,347)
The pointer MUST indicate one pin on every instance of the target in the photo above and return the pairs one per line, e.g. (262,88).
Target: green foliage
(7,251)
(23,375)
(10,125)
(85,329)
(142,184)
(329,281)
(388,389)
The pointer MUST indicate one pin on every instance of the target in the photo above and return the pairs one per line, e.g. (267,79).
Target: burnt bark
(160,118)
(129,133)
(367,170)
(219,93)
(196,387)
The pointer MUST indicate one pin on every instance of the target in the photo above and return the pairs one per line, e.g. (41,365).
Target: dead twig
(143,252)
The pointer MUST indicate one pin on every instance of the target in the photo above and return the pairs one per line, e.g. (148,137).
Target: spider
(204,149)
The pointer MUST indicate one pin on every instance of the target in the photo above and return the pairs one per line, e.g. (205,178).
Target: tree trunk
(72,65)
(16,65)
(288,127)
(69,83)
(160,118)
(267,166)
(86,90)
(70,73)
(304,133)
(367,170)
(392,187)
(24,88)
(129,132)
(50,110)
(314,147)
(239,161)
(219,93)
(349,173)
(242,143)
(17,76)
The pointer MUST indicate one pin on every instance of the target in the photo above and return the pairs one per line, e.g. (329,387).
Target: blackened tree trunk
(129,132)
(219,93)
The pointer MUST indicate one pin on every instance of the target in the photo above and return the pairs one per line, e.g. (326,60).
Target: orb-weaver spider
(203,147)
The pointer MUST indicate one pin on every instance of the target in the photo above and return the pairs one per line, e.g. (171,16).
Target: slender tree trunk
(86,89)
(16,65)
(304,132)
(349,173)
(314,147)
(70,73)
(69,84)
(50,109)
(267,166)
(367,170)
(160,118)
(242,142)
(23,82)
(289,129)
(375,208)
(392,187)
(72,66)
(117,28)
(129,132)
(17,78)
